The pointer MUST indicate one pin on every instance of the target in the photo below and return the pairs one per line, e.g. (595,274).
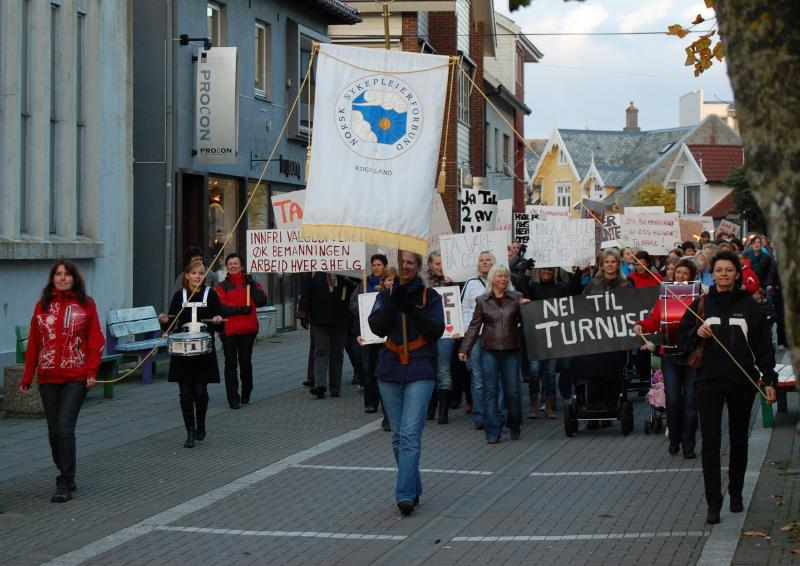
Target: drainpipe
(169,192)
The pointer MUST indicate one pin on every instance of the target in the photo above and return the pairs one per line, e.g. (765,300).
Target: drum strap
(205,296)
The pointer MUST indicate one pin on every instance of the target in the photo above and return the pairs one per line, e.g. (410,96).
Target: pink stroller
(658,404)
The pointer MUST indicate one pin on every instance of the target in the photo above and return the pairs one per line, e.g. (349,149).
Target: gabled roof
(724,207)
(533,152)
(716,161)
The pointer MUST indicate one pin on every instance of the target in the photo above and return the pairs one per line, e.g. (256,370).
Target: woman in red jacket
(239,296)
(64,351)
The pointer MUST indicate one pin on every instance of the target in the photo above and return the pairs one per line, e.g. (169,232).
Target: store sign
(217,106)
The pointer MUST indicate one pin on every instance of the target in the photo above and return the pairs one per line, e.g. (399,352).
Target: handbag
(695,358)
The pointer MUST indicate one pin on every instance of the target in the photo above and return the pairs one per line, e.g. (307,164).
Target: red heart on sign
(449,327)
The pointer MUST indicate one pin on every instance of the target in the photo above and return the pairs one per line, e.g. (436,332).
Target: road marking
(595,536)
(164,518)
(291,534)
(613,472)
(377,469)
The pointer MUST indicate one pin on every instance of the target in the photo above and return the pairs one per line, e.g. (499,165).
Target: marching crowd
(726,344)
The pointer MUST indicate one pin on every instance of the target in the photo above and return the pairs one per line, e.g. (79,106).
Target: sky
(589,81)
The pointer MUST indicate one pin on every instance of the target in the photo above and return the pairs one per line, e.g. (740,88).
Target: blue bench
(136,332)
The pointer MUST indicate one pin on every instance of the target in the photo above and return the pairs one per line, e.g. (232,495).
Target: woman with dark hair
(741,344)
(194,373)
(64,351)
(239,296)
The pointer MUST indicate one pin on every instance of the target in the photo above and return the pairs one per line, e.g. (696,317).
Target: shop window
(223,205)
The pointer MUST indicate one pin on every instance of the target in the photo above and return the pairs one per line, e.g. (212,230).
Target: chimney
(631,119)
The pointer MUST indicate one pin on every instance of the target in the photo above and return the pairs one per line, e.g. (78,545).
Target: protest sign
(286,251)
(365,303)
(653,233)
(478,210)
(585,324)
(460,252)
(562,242)
(451,302)
(690,230)
(440,224)
(706,221)
(544,212)
(644,210)
(596,212)
(728,227)
(612,227)
(504,220)
(522,229)
(288,209)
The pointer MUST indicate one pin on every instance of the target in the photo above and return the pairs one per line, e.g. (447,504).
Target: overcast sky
(588,81)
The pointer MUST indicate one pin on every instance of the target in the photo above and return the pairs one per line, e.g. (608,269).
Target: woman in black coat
(194,373)
(737,321)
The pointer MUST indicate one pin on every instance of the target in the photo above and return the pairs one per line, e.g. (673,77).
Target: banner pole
(386,26)
(403,321)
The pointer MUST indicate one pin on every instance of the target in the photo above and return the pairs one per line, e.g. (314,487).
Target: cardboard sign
(544,212)
(478,210)
(365,303)
(451,302)
(653,233)
(612,227)
(727,227)
(644,210)
(706,221)
(288,209)
(522,230)
(460,252)
(562,242)
(286,251)
(690,230)
(585,324)
(505,212)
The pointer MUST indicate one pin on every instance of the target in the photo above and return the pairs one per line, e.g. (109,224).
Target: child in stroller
(658,404)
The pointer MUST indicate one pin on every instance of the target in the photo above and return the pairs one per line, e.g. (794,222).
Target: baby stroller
(599,393)
(658,404)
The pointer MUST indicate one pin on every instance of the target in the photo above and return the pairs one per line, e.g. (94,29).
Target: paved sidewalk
(290,479)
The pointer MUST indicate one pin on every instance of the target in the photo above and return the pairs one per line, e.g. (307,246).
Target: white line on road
(292,534)
(164,518)
(614,472)
(377,469)
(595,536)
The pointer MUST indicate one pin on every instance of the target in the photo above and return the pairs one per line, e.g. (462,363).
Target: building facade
(65,152)
(181,202)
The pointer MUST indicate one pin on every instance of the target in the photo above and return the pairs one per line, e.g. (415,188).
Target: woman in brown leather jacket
(498,312)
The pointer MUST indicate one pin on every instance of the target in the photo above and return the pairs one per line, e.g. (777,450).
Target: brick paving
(307,502)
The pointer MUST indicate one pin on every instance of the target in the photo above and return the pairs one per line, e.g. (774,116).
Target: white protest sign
(460,252)
(365,303)
(440,224)
(545,212)
(288,209)
(562,242)
(728,227)
(478,210)
(286,251)
(217,105)
(504,220)
(644,210)
(653,233)
(612,227)
(451,303)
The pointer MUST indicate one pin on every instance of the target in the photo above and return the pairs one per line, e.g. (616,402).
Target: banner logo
(379,117)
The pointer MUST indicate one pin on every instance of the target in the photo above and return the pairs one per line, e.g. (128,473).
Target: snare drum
(189,343)
(674,299)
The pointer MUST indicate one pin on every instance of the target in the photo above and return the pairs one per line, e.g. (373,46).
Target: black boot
(444,406)
(187,408)
(201,410)
(189,438)
(432,406)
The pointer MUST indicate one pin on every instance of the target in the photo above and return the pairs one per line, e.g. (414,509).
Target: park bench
(135,332)
(109,364)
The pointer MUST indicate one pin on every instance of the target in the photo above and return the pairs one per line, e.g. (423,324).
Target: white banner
(377,127)
(217,106)
(644,210)
(286,251)
(562,243)
(451,302)
(545,212)
(365,303)
(460,252)
(505,211)
(478,210)
(653,233)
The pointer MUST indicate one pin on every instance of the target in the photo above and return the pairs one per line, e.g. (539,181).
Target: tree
(655,194)
(743,197)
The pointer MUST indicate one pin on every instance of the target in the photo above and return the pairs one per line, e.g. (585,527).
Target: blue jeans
(444,360)
(406,405)
(543,371)
(681,404)
(474,365)
(62,403)
(501,366)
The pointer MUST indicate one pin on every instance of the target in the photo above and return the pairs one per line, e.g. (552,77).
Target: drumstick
(212,320)
(248,294)
(650,345)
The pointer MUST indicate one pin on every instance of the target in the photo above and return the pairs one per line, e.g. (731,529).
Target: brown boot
(550,407)
(534,414)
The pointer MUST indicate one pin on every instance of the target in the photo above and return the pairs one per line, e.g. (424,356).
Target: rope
(440,186)
(154,350)
(383,71)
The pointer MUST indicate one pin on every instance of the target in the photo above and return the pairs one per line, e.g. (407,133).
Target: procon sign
(217,106)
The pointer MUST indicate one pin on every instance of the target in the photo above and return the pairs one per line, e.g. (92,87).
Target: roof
(716,161)
(619,156)
(342,12)
(533,151)
(496,88)
(724,207)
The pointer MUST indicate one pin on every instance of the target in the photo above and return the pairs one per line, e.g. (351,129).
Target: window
(691,199)
(299,40)
(520,69)
(307,97)
(464,89)
(562,157)
(498,151)
(489,147)
(216,29)
(597,192)
(564,193)
(263,70)
(506,155)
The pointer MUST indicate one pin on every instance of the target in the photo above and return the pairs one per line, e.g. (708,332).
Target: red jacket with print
(232,293)
(65,342)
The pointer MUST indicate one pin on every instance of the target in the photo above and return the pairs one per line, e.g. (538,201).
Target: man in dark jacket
(323,299)
(406,369)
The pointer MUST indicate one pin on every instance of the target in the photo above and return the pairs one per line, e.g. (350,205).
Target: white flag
(377,127)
